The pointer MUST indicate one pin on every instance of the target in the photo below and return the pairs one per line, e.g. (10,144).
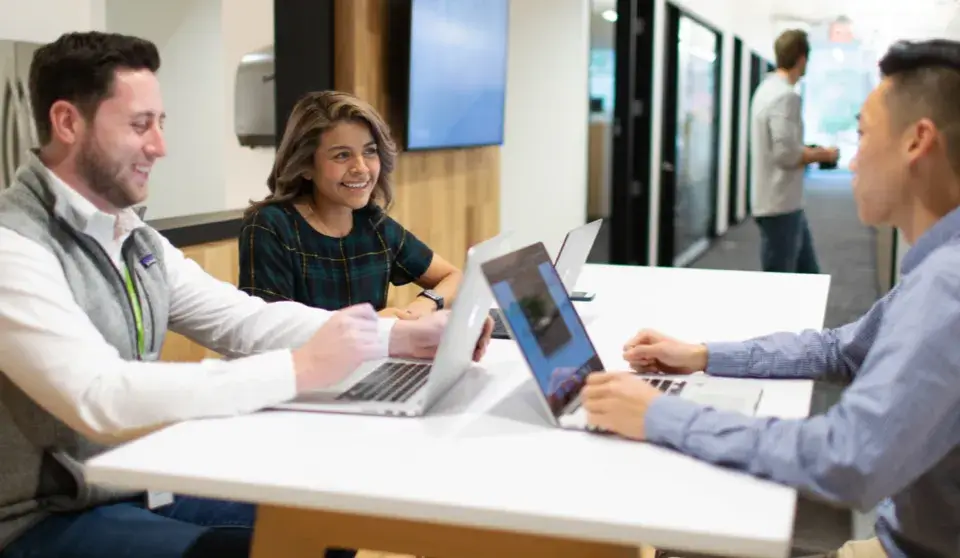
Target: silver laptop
(573,254)
(558,350)
(401,387)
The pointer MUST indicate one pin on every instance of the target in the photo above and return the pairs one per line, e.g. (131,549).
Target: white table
(483,472)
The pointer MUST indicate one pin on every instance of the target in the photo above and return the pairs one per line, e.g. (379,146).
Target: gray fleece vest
(40,457)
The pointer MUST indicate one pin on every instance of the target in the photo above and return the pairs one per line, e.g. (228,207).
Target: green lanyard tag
(135,303)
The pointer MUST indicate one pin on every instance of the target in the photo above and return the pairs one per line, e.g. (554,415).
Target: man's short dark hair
(790,47)
(925,83)
(80,68)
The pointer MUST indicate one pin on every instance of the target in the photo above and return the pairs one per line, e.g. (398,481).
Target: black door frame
(666,236)
(735,131)
(632,132)
(303,53)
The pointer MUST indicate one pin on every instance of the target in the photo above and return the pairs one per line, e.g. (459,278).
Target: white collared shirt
(110,231)
(51,350)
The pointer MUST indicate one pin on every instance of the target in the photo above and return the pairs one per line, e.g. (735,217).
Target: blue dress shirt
(894,437)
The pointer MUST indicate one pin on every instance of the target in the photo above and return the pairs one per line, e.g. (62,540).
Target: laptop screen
(545,325)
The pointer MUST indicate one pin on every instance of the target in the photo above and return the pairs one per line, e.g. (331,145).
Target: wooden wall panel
(449,198)
(444,199)
(222,260)
(598,173)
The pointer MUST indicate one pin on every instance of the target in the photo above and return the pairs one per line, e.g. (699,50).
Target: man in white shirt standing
(778,159)
(87,293)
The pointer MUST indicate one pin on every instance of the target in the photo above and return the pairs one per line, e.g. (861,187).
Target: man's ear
(66,122)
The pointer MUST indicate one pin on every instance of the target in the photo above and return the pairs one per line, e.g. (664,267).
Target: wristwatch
(432,295)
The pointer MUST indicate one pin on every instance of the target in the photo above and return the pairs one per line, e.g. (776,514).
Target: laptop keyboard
(500,330)
(391,382)
(670,387)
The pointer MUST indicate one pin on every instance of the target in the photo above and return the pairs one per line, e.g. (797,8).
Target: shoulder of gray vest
(29,208)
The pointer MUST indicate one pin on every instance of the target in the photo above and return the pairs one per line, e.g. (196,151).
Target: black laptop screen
(544,322)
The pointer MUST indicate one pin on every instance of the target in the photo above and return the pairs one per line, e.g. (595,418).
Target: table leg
(302,533)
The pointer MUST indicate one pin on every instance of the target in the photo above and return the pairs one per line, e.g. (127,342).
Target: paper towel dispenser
(255,100)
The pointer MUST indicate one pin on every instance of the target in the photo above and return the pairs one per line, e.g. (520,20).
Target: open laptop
(573,254)
(403,387)
(557,349)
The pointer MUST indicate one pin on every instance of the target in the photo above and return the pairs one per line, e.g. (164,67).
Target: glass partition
(696,137)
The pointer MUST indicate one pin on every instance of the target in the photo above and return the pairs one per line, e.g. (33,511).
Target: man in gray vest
(778,158)
(87,293)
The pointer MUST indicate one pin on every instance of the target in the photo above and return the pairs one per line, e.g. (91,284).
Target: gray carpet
(844,247)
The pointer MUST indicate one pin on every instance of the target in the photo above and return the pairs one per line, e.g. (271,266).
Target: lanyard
(135,303)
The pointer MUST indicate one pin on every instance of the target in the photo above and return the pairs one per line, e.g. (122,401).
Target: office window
(839,77)
(603,70)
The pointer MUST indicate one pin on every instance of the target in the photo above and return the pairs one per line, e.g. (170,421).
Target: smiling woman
(322,237)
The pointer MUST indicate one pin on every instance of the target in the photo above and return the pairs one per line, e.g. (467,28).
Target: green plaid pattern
(283,258)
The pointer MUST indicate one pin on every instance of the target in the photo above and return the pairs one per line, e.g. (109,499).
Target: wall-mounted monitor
(448,71)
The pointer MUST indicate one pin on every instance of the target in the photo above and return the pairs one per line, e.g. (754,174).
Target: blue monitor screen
(458,72)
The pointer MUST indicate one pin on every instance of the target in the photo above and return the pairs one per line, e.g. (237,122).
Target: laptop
(405,387)
(573,254)
(559,352)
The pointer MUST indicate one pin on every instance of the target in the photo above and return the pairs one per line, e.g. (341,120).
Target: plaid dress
(282,257)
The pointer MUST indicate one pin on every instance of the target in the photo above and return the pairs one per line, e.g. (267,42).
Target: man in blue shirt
(893,440)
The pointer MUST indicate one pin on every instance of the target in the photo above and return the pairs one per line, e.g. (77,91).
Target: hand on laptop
(347,339)
(484,340)
(420,338)
(651,351)
(617,402)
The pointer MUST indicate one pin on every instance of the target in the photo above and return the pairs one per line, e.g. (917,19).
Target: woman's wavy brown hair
(314,114)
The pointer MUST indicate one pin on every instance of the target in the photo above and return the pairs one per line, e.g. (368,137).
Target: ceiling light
(609,15)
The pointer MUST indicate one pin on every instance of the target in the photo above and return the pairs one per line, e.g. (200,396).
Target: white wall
(748,19)
(200,42)
(543,180)
(726,148)
(656,128)
(45,20)
(190,179)
(246,26)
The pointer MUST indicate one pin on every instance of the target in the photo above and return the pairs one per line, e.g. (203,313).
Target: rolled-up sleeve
(786,130)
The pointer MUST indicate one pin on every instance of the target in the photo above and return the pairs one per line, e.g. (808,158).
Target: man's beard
(103,175)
